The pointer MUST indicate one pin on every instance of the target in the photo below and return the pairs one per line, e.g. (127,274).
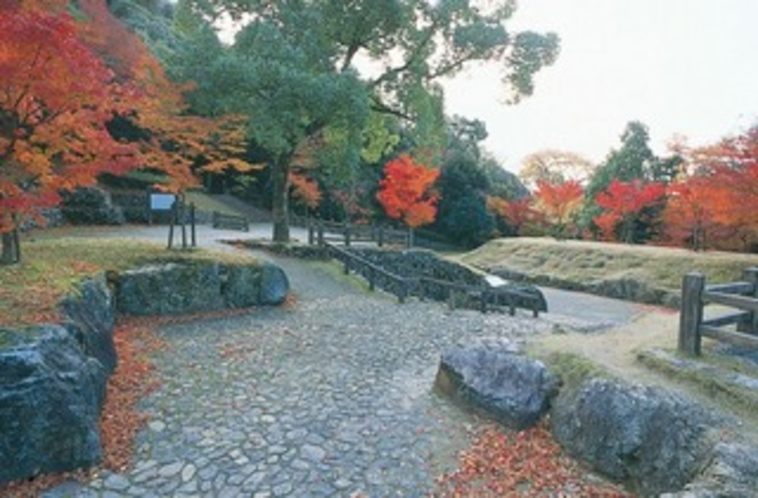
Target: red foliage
(623,202)
(405,191)
(519,214)
(558,202)
(694,213)
(56,97)
(524,464)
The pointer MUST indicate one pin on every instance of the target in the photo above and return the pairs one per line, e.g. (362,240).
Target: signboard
(161,202)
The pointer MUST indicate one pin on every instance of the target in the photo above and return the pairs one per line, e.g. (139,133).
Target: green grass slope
(639,273)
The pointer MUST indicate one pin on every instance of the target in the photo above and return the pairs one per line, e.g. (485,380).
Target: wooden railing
(375,275)
(230,221)
(483,298)
(742,296)
(324,231)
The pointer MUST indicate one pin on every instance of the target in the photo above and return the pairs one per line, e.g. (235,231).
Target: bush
(90,206)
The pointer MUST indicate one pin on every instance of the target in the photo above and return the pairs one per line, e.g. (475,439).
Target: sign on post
(160,202)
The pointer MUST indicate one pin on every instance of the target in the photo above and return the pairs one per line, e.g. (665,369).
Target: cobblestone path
(329,397)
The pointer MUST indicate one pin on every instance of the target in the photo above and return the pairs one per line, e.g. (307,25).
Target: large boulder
(90,315)
(645,437)
(169,289)
(274,285)
(50,397)
(494,379)
(733,471)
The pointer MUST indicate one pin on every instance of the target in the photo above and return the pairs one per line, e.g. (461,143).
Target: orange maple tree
(558,203)
(56,98)
(305,189)
(405,191)
(623,203)
(729,170)
(519,214)
(694,213)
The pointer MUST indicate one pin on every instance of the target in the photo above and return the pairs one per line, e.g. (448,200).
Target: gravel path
(329,397)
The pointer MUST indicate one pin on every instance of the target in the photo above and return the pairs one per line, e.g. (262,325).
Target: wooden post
(751,326)
(346,232)
(320,233)
(193,223)
(403,293)
(484,296)
(450,298)
(411,237)
(182,222)
(380,241)
(691,315)
(371,278)
(311,234)
(171,227)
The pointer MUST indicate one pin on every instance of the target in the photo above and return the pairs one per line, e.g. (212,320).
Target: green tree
(293,69)
(630,162)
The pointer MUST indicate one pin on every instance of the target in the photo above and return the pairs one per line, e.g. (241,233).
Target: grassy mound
(639,273)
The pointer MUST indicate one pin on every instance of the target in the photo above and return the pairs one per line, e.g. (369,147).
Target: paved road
(330,397)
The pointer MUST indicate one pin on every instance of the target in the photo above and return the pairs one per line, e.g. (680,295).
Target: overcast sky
(686,67)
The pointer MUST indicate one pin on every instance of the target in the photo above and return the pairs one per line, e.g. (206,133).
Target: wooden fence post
(691,315)
(411,237)
(751,326)
(347,233)
(193,223)
(320,233)
(311,234)
(380,241)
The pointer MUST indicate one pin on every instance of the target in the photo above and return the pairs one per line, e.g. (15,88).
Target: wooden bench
(230,221)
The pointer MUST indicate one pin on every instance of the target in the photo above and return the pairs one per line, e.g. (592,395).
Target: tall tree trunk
(10,253)
(280,202)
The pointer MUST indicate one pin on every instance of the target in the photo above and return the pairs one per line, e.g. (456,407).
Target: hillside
(646,274)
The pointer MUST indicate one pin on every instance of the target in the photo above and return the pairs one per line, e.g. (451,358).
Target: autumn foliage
(305,190)
(405,191)
(559,202)
(529,463)
(64,82)
(623,203)
(56,98)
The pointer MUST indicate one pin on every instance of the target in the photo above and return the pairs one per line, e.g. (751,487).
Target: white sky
(686,67)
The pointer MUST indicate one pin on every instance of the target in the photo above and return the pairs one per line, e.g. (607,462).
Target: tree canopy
(300,69)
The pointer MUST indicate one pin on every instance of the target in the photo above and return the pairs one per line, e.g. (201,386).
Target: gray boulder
(274,285)
(645,437)
(241,286)
(733,471)
(50,395)
(90,315)
(494,379)
(169,289)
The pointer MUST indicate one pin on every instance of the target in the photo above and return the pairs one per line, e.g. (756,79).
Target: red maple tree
(405,191)
(56,97)
(623,202)
(558,203)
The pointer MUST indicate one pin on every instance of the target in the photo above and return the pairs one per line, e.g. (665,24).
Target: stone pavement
(329,397)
